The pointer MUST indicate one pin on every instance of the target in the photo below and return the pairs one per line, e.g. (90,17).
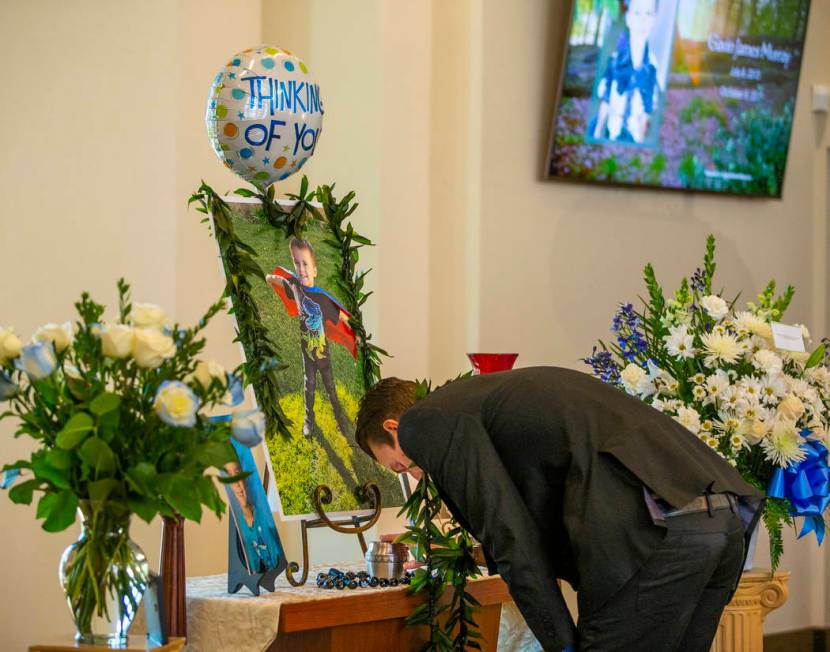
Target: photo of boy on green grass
(301,307)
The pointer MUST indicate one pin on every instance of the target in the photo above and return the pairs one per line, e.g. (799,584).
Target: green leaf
(101,489)
(104,403)
(142,477)
(21,493)
(59,458)
(75,430)
(183,497)
(146,509)
(815,357)
(58,509)
(98,455)
(46,392)
(216,454)
(45,471)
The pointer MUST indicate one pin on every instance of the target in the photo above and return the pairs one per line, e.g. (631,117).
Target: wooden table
(136,644)
(375,622)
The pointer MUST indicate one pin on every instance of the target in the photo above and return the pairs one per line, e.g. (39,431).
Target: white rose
(147,315)
(205,372)
(151,347)
(715,307)
(631,377)
(117,340)
(61,335)
(768,362)
(791,408)
(10,345)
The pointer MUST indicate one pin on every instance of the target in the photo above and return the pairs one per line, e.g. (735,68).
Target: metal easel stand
(357,525)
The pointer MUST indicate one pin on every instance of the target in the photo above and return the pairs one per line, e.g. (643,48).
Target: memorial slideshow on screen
(683,94)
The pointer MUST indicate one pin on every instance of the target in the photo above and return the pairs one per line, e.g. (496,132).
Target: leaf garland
(264,361)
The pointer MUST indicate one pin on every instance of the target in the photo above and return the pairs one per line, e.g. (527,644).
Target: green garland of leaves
(264,362)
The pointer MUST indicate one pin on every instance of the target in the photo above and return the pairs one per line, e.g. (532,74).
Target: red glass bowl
(488,363)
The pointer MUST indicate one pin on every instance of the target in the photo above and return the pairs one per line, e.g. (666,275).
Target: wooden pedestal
(741,627)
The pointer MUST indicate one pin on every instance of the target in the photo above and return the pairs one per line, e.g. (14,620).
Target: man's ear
(391,426)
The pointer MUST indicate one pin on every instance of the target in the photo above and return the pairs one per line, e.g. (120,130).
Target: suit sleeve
(462,461)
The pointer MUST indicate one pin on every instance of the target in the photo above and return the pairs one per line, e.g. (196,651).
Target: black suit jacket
(546,468)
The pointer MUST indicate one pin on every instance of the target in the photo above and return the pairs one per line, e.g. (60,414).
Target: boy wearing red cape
(322,319)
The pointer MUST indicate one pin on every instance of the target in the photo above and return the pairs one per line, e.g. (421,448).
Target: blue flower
(176,404)
(37,360)
(9,477)
(604,366)
(248,426)
(8,388)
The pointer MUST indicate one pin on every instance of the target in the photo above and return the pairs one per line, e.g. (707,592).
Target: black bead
(406,580)
(362,574)
(352,584)
(384,583)
(329,584)
(321,576)
(351,575)
(340,584)
(373,582)
(364,583)
(393,581)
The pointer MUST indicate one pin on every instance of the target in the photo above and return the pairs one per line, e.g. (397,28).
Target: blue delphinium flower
(626,324)
(604,367)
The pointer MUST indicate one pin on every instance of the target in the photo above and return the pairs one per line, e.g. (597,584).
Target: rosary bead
(373,581)
(352,584)
(393,581)
(384,583)
(340,584)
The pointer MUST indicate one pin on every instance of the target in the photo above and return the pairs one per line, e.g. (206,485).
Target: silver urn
(385,560)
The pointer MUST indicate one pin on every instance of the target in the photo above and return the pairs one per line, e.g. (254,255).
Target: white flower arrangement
(716,371)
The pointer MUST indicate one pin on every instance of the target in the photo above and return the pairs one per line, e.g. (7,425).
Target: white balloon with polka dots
(264,114)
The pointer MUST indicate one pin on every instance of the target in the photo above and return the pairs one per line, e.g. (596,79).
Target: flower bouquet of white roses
(116,412)
(715,369)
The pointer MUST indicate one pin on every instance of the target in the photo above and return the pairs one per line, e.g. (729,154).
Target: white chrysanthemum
(731,398)
(783,445)
(750,388)
(689,419)
(706,425)
(715,307)
(699,378)
(768,362)
(746,321)
(721,348)
(699,392)
(679,342)
(772,389)
(728,423)
(712,442)
(797,386)
(635,380)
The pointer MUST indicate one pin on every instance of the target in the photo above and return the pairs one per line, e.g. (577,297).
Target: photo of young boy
(260,542)
(321,319)
(303,312)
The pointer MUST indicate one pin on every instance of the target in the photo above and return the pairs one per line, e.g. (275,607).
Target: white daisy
(699,392)
(772,389)
(679,342)
(716,385)
(699,378)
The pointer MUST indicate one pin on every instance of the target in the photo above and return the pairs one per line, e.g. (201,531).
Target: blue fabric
(806,485)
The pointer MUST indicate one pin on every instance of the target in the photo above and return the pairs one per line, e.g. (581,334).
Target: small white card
(788,338)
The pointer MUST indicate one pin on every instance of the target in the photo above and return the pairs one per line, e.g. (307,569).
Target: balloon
(264,114)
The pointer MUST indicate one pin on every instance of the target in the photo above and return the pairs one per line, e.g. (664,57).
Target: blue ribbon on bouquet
(806,485)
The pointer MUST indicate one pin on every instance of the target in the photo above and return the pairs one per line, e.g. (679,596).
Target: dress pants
(674,602)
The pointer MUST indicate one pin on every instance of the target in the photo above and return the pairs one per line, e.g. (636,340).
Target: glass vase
(104,575)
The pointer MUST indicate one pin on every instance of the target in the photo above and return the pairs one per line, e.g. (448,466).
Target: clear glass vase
(104,575)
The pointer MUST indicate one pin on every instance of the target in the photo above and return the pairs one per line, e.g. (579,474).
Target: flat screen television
(695,95)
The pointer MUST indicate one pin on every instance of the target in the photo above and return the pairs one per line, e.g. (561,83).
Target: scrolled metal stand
(354,525)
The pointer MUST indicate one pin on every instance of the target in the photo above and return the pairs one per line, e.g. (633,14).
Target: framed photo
(302,311)
(258,541)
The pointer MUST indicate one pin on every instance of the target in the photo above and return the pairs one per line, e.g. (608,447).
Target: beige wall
(436,114)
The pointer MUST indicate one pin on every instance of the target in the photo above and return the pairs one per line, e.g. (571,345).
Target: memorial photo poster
(684,94)
(258,539)
(301,307)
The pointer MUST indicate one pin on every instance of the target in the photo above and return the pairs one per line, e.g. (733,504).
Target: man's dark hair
(388,399)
